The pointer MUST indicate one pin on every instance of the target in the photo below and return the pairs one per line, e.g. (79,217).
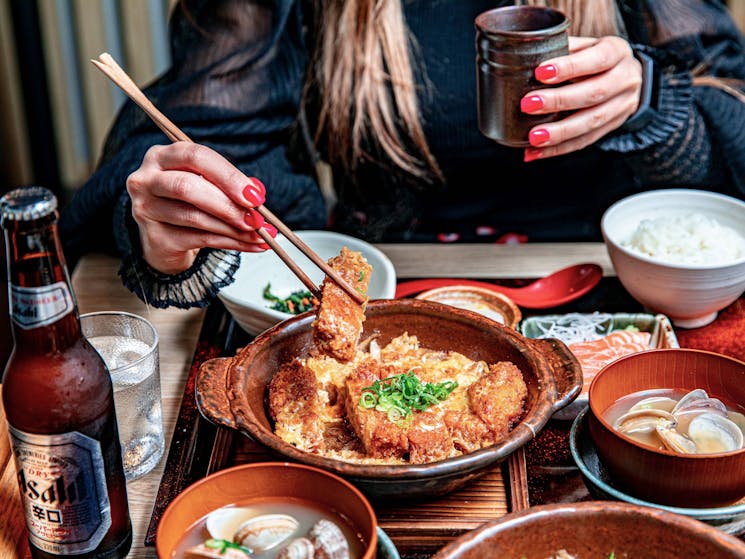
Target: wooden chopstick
(115,73)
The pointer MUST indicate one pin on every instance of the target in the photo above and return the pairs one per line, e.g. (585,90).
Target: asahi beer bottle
(58,398)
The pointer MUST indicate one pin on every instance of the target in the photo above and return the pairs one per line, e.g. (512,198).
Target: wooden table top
(98,288)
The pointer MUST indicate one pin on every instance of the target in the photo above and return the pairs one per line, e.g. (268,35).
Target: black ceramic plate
(729,519)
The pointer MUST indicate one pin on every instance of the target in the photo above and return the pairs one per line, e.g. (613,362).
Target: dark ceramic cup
(510,43)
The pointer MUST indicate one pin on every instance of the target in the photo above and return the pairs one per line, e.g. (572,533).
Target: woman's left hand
(601,86)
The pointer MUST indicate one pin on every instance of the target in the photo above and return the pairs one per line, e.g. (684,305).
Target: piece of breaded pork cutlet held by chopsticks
(338,324)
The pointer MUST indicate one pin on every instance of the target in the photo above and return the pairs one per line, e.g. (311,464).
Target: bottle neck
(43,309)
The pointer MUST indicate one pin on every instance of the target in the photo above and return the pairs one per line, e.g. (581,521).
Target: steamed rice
(690,238)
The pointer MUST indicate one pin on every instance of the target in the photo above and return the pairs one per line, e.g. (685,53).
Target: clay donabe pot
(232,391)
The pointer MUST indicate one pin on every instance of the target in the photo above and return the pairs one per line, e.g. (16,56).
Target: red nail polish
(538,137)
(263,246)
(253,219)
(271,229)
(546,72)
(253,195)
(258,184)
(531,103)
(532,154)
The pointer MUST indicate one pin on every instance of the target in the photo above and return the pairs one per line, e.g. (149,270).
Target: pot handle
(210,390)
(566,367)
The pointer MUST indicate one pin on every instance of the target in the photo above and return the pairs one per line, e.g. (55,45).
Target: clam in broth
(291,530)
(682,422)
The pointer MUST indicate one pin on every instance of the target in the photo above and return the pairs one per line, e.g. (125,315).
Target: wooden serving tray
(199,448)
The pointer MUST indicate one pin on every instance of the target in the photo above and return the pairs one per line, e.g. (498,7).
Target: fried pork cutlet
(497,397)
(293,404)
(425,438)
(380,437)
(468,432)
(338,325)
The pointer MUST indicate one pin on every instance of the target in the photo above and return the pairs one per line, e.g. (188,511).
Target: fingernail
(253,195)
(531,103)
(253,219)
(532,154)
(258,184)
(538,137)
(546,72)
(263,246)
(271,229)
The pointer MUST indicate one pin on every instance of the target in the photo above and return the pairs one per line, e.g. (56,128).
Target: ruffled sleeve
(690,139)
(669,109)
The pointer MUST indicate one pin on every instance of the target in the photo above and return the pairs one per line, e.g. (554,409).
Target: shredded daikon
(575,327)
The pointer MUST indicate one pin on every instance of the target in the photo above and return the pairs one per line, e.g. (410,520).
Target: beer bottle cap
(27,203)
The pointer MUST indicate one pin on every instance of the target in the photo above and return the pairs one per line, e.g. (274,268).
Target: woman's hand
(601,87)
(186,197)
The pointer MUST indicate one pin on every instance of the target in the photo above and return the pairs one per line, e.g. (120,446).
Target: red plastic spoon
(553,290)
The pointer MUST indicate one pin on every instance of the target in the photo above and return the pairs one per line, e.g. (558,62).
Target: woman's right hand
(185,197)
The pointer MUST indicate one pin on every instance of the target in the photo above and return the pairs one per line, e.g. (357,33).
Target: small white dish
(244,297)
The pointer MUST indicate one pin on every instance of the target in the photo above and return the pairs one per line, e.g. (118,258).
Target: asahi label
(38,306)
(63,489)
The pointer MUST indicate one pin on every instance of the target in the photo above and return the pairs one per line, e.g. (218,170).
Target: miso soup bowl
(662,476)
(267,482)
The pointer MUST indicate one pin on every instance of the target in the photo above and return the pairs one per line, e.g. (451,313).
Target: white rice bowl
(679,252)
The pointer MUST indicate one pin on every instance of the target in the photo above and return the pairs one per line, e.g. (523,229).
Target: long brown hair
(363,72)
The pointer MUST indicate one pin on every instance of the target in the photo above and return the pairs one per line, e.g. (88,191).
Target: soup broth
(306,513)
(701,424)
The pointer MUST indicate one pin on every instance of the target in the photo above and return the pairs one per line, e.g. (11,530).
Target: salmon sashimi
(596,354)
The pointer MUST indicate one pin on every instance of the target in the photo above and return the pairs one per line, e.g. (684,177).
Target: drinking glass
(510,43)
(129,345)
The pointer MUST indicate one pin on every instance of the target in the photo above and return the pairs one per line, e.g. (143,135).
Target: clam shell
(223,522)
(692,396)
(265,531)
(643,421)
(328,541)
(299,548)
(713,433)
(201,551)
(674,441)
(656,403)
(737,418)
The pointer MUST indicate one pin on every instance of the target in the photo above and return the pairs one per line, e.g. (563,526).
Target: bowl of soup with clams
(268,511)
(669,424)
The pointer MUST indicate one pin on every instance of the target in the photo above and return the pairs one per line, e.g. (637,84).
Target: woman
(384,90)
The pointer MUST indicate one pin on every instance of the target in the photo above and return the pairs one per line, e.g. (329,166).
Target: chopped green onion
(222,545)
(362,276)
(398,395)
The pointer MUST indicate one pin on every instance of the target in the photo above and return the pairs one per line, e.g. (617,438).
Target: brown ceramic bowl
(266,481)
(232,391)
(484,301)
(661,476)
(594,529)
